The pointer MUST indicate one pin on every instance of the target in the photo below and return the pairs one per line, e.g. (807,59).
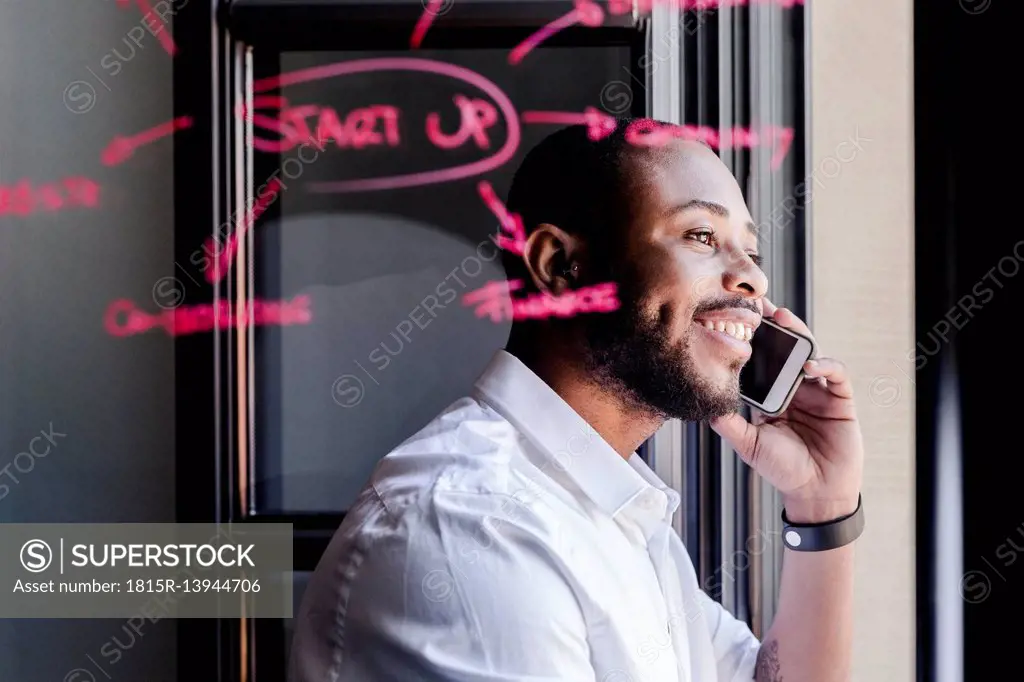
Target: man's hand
(813,452)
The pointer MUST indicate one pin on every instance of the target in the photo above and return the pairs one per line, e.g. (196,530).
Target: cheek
(669,290)
(702,287)
(671,317)
(685,287)
(678,302)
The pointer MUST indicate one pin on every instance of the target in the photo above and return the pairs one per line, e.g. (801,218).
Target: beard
(629,353)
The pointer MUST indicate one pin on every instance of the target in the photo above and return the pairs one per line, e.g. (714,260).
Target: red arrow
(586,12)
(224,260)
(122,147)
(512,223)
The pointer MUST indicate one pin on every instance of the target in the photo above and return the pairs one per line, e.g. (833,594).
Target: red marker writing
(650,133)
(121,148)
(589,13)
(431,10)
(586,12)
(149,16)
(475,119)
(515,241)
(223,261)
(599,124)
(23,198)
(376,124)
(123,318)
(477,115)
(493,300)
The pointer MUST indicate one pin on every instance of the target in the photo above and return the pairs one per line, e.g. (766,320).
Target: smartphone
(776,367)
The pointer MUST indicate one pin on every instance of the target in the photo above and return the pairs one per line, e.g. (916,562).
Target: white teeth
(736,330)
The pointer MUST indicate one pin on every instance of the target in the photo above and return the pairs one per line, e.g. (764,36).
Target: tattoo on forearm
(767,669)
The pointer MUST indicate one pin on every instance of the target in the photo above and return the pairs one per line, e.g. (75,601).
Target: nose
(742,276)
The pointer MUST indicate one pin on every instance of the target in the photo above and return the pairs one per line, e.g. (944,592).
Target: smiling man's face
(690,288)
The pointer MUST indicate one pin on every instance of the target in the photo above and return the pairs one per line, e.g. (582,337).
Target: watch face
(793,538)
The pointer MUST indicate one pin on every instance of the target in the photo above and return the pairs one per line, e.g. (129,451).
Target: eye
(703,236)
(758,260)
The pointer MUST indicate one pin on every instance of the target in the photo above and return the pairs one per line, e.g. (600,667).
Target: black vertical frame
(933,262)
(968,243)
(198,434)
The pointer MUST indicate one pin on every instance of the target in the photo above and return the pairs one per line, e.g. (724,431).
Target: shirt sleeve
(735,646)
(466,591)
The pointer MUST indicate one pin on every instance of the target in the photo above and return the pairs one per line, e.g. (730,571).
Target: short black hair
(581,185)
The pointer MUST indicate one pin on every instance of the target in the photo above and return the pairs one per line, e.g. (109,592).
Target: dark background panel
(368,260)
(968,151)
(74,76)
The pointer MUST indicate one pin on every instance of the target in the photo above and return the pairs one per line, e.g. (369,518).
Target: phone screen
(771,349)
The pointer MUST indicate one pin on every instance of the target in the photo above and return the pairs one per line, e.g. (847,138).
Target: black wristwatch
(819,537)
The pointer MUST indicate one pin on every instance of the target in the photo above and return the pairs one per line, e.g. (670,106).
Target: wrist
(818,510)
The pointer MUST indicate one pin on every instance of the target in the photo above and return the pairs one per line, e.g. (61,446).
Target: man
(517,537)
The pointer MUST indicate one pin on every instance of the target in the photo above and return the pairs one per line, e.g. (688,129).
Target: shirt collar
(564,437)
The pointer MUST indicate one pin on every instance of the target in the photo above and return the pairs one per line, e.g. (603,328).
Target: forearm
(811,638)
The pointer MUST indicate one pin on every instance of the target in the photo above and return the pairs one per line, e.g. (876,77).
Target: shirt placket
(671,590)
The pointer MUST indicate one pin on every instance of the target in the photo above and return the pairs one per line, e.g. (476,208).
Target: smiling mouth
(736,330)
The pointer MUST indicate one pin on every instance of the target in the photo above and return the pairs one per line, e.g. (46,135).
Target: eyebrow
(710,207)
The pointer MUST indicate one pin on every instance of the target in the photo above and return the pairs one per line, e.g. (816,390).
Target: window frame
(722,502)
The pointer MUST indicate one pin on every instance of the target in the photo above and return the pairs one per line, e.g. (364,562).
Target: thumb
(740,434)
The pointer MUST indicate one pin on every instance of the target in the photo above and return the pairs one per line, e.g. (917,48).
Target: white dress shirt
(507,541)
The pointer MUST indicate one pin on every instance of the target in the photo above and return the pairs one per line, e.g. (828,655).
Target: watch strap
(820,537)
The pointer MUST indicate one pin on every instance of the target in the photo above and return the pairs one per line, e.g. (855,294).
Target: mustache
(725,303)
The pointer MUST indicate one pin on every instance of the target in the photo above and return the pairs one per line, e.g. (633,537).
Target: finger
(784,317)
(818,400)
(739,433)
(814,381)
(834,373)
(768,306)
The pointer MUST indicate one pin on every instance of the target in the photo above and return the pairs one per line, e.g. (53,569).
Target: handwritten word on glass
(23,198)
(374,125)
(651,133)
(648,133)
(124,319)
(365,127)
(382,124)
(492,300)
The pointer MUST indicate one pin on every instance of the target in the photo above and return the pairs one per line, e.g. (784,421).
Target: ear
(549,255)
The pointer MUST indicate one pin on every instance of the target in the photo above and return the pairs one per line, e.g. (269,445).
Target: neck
(621,424)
